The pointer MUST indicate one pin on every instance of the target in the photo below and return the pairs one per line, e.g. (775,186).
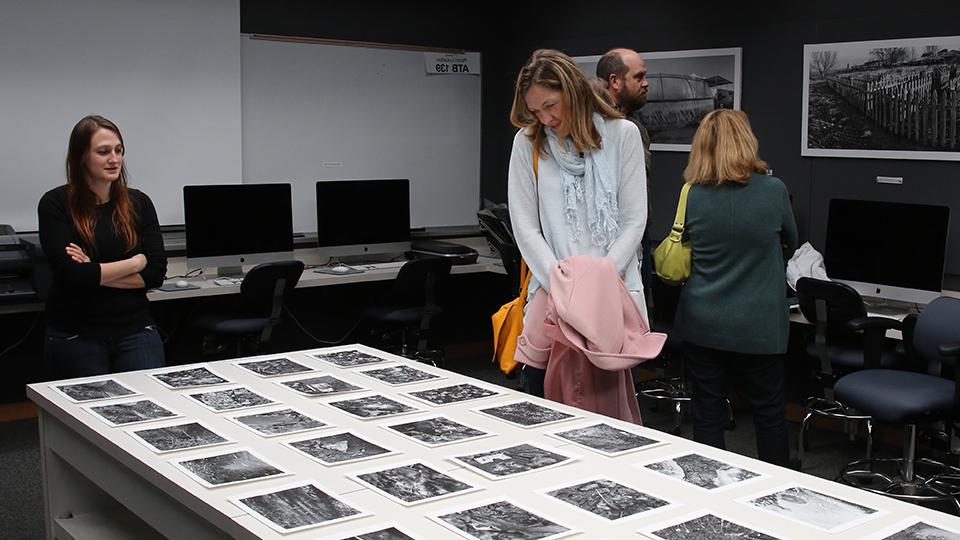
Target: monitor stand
(230,271)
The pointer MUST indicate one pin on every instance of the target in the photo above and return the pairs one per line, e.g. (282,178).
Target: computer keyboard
(381,266)
(224,281)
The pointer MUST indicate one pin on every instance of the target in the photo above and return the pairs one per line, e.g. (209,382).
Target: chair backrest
(839,302)
(938,324)
(502,240)
(263,288)
(421,282)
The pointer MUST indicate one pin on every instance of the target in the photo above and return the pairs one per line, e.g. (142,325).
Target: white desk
(87,466)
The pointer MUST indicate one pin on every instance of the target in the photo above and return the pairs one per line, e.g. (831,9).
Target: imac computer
(891,251)
(363,217)
(229,225)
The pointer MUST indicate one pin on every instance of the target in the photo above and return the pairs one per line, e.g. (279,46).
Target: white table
(89,466)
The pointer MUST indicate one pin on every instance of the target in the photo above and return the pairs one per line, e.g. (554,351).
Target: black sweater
(78,303)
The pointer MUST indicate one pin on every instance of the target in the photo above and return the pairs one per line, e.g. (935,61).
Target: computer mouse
(182,284)
(340,269)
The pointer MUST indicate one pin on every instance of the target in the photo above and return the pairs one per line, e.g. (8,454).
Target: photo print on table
(703,526)
(513,460)
(455,393)
(221,469)
(914,529)
(605,498)
(701,471)
(412,483)
(230,399)
(322,385)
(500,520)
(349,359)
(278,422)
(296,507)
(339,448)
(525,413)
(132,412)
(273,367)
(437,431)
(191,377)
(82,392)
(189,435)
(813,508)
(606,439)
(375,406)
(383,531)
(399,375)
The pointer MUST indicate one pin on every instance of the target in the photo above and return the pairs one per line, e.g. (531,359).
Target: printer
(16,268)
(455,253)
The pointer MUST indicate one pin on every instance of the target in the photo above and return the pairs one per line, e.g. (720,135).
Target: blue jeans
(72,355)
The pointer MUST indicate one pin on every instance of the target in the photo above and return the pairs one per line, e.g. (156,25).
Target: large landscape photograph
(882,99)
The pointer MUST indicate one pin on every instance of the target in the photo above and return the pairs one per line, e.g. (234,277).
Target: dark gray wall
(772,38)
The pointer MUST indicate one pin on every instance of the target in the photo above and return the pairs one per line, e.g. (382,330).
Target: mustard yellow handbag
(672,258)
(508,320)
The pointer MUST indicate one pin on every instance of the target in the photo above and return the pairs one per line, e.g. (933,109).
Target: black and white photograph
(186,436)
(891,99)
(812,508)
(273,367)
(525,413)
(701,471)
(296,507)
(703,526)
(683,87)
(914,529)
(412,483)
(132,412)
(607,499)
(230,399)
(339,448)
(349,359)
(606,439)
(383,531)
(279,422)
(455,393)
(437,431)
(323,385)
(376,406)
(94,390)
(500,520)
(221,469)
(191,377)
(399,375)
(514,460)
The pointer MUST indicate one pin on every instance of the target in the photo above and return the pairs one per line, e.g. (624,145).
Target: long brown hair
(557,71)
(82,202)
(724,149)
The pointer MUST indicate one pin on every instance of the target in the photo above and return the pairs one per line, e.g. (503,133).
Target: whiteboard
(166,72)
(328,112)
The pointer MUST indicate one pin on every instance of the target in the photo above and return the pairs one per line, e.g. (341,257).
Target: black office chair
(500,236)
(911,398)
(411,306)
(258,311)
(839,349)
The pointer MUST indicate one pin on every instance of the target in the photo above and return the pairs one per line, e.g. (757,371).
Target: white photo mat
(91,409)
(569,458)
(911,522)
(60,388)
(245,366)
(356,400)
(133,433)
(224,390)
(389,451)
(177,463)
(235,418)
(385,526)
(155,373)
(481,410)
(853,519)
(410,394)
(649,529)
(731,464)
(238,501)
(309,376)
(669,506)
(391,428)
(432,377)
(437,516)
(655,444)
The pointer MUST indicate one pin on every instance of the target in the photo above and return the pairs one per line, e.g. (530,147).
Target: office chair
(839,350)
(501,238)
(411,306)
(911,398)
(258,311)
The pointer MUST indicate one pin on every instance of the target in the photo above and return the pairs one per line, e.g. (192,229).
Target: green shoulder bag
(672,258)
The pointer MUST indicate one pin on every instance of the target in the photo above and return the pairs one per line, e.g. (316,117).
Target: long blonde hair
(557,71)
(724,149)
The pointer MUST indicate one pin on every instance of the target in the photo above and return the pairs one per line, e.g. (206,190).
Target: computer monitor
(229,225)
(363,217)
(893,251)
